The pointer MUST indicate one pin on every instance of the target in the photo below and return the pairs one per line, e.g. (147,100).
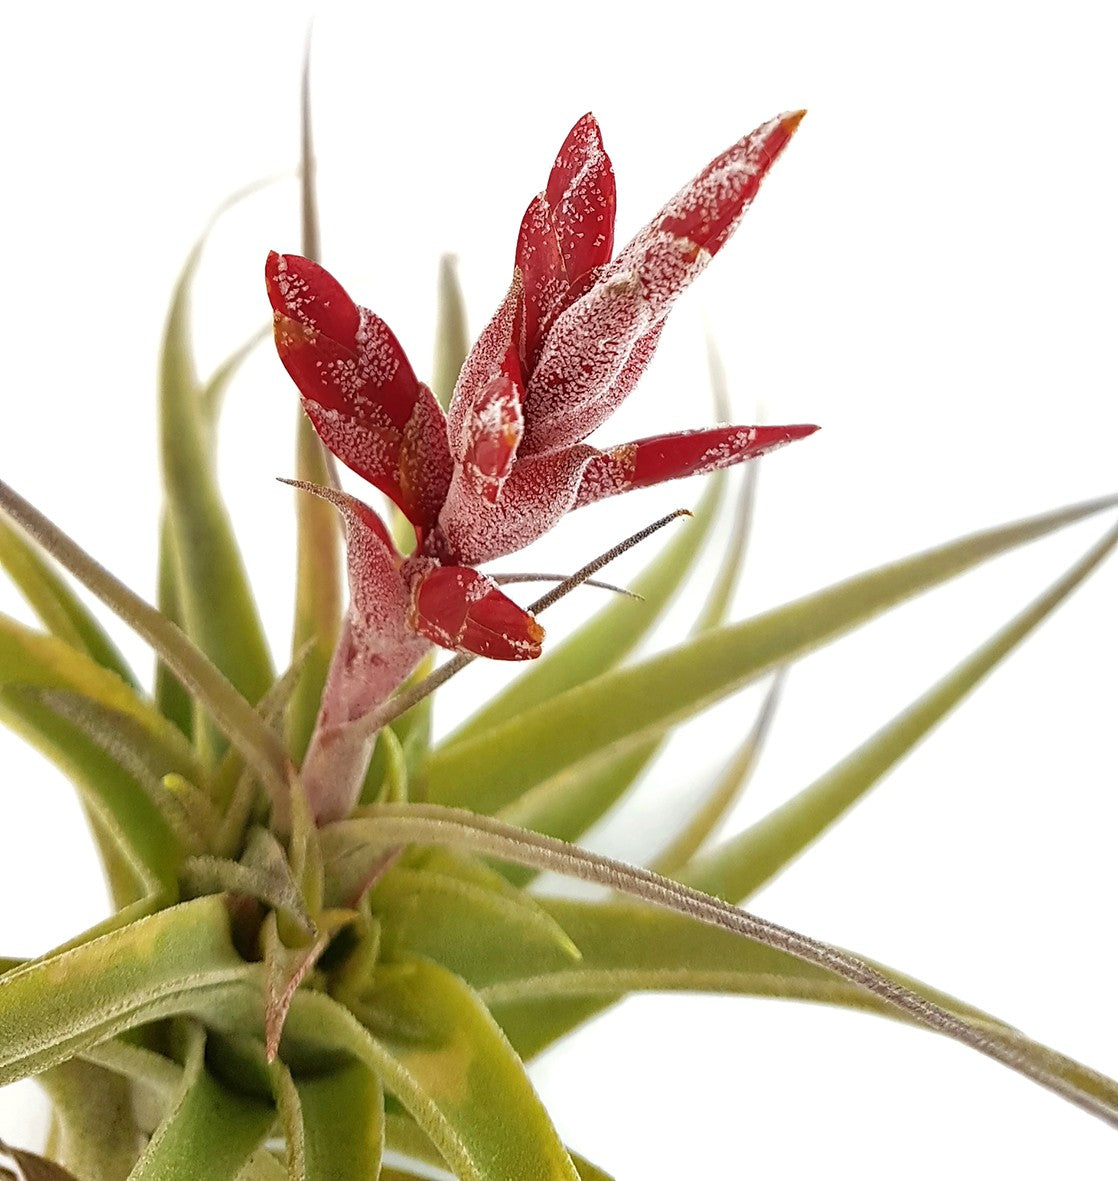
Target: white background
(929,273)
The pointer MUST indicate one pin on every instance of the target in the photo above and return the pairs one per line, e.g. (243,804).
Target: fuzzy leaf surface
(441,1054)
(343,1124)
(606,638)
(212,1133)
(171,962)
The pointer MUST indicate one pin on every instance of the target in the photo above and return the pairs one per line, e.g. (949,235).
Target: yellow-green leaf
(214,598)
(180,960)
(260,746)
(212,1133)
(619,709)
(59,608)
(343,1124)
(441,1054)
(742,864)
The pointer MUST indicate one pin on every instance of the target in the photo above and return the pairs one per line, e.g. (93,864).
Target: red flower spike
(359,389)
(543,273)
(538,493)
(671,457)
(377,650)
(565,348)
(572,389)
(458,608)
(582,194)
(492,436)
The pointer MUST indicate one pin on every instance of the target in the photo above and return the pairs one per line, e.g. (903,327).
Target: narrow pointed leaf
(343,1124)
(568,804)
(441,1054)
(225,626)
(172,698)
(723,795)
(233,714)
(618,709)
(318,588)
(393,825)
(212,393)
(52,600)
(607,638)
(128,819)
(744,863)
(452,341)
(55,1007)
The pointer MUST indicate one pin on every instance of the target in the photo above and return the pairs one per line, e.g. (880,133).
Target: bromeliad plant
(326,943)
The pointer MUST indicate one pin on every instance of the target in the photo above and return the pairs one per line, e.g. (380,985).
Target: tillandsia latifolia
(327,947)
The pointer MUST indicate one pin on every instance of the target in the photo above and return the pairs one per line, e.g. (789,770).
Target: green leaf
(441,1054)
(111,744)
(225,626)
(97,1129)
(725,792)
(343,1124)
(604,640)
(567,804)
(260,746)
(627,947)
(388,826)
(61,611)
(30,659)
(318,587)
(468,926)
(452,338)
(403,1136)
(171,697)
(180,960)
(744,863)
(619,709)
(212,1132)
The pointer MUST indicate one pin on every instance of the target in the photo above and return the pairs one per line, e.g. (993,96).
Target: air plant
(328,959)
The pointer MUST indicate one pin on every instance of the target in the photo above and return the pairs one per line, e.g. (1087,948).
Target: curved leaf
(389,825)
(617,710)
(744,863)
(212,1132)
(403,1136)
(469,928)
(725,791)
(61,611)
(440,1053)
(32,1167)
(98,1135)
(171,962)
(568,804)
(225,626)
(343,1124)
(630,947)
(261,747)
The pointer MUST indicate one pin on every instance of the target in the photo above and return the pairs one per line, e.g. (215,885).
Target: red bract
(564,349)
